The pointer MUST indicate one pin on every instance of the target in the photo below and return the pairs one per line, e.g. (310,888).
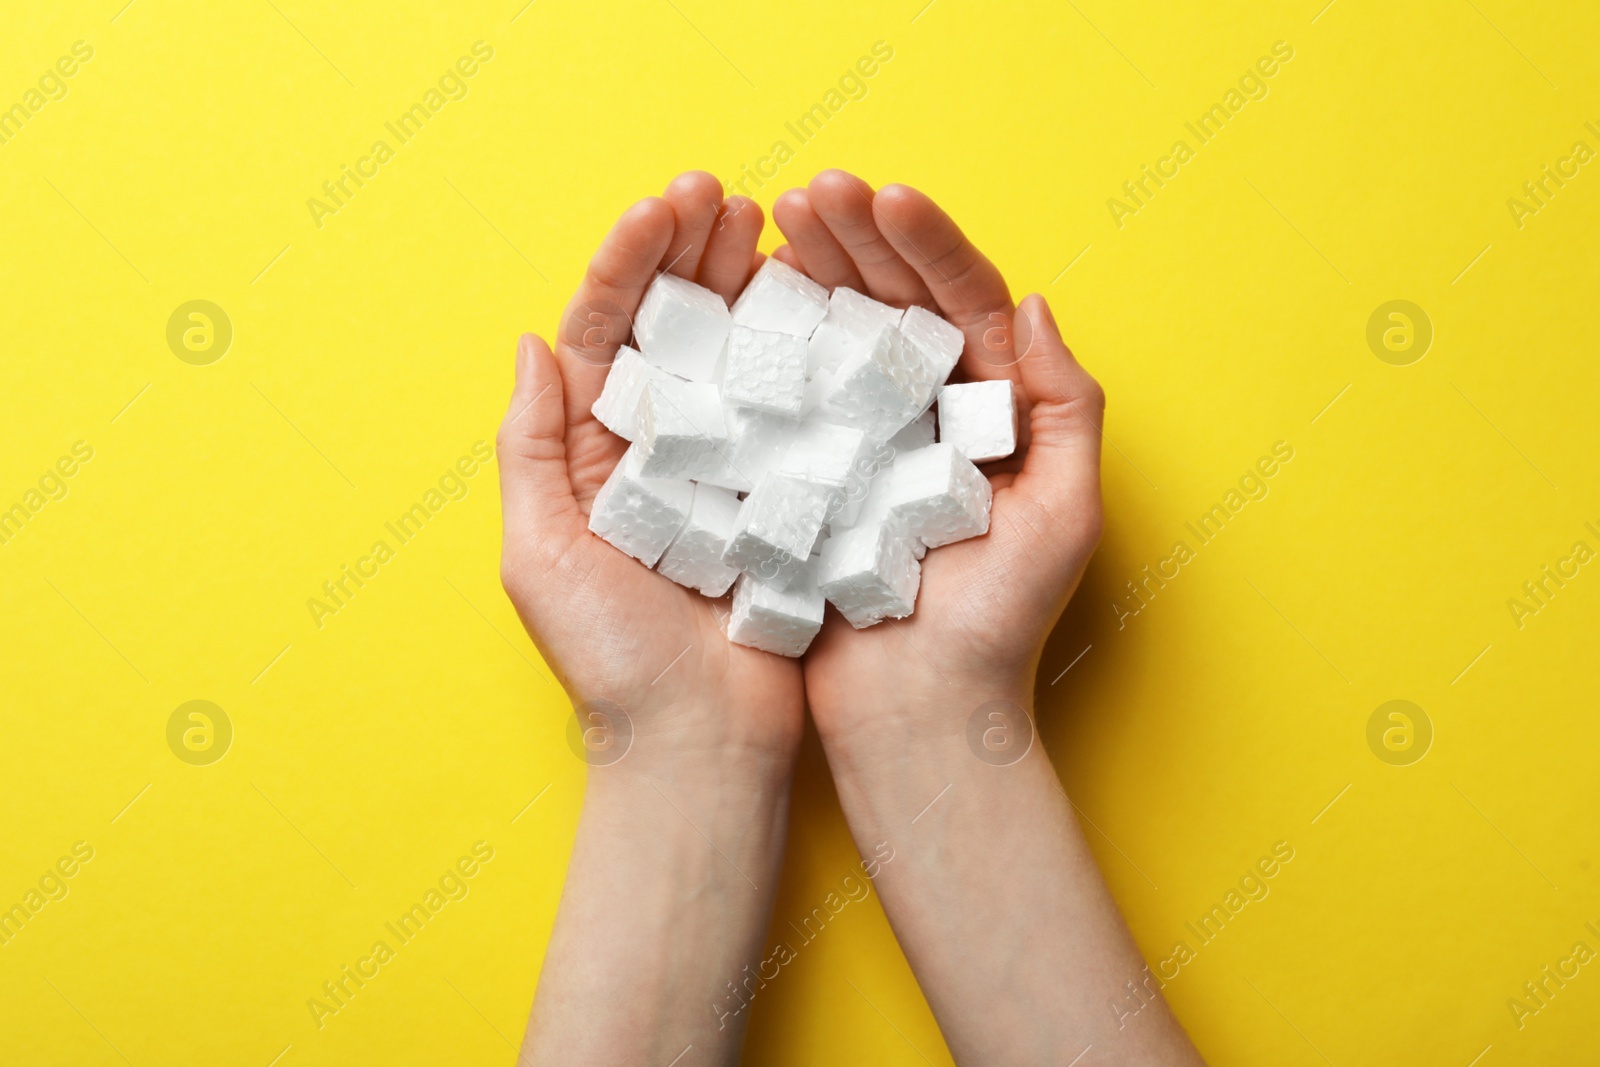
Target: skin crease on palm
(995,897)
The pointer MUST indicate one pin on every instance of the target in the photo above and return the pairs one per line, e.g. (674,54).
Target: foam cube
(694,558)
(819,409)
(933,348)
(778,620)
(853,320)
(918,433)
(782,300)
(938,495)
(822,539)
(617,406)
(834,458)
(681,430)
(877,506)
(979,418)
(640,515)
(682,328)
(876,390)
(818,386)
(765,371)
(870,573)
(777,525)
(757,442)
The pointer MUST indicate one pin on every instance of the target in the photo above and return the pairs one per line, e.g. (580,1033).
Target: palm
(633,636)
(615,630)
(963,607)
(898,247)
(610,628)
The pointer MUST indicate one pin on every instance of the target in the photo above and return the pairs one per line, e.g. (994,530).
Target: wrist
(694,741)
(947,712)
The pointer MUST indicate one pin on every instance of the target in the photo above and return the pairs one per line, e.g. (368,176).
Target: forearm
(666,900)
(995,896)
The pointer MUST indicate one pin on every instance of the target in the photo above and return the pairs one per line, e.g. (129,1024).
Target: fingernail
(1041,308)
(524,357)
(1022,331)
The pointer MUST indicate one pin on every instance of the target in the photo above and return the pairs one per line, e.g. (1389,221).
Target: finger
(696,197)
(600,316)
(844,203)
(785,255)
(816,250)
(968,288)
(725,267)
(1061,470)
(535,494)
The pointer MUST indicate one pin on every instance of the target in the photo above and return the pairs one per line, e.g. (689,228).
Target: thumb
(531,447)
(1061,470)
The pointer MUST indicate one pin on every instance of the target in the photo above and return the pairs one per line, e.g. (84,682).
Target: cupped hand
(987,604)
(610,628)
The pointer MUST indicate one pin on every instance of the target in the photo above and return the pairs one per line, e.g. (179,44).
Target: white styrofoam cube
(822,539)
(827,428)
(682,327)
(933,348)
(979,418)
(874,466)
(853,320)
(870,573)
(694,558)
(939,496)
(818,386)
(834,457)
(765,371)
(918,433)
(776,527)
(640,515)
(825,453)
(681,430)
(617,406)
(774,619)
(782,300)
(757,441)
(876,389)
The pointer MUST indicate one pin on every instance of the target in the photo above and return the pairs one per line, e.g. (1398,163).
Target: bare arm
(690,740)
(993,892)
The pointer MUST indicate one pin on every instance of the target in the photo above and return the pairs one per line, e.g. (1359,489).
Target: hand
(609,627)
(987,604)
(676,859)
(992,890)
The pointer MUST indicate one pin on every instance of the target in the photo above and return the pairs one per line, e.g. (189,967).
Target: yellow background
(369,354)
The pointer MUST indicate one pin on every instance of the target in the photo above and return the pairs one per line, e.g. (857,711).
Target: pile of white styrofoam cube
(786,449)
